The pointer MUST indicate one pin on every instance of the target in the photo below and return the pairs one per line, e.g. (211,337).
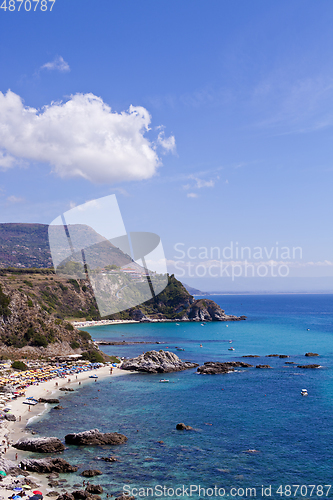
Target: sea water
(252,427)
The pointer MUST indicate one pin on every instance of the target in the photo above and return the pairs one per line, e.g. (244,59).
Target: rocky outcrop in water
(44,465)
(216,367)
(308,366)
(277,356)
(157,362)
(94,489)
(66,389)
(263,366)
(40,445)
(208,310)
(183,427)
(311,354)
(94,437)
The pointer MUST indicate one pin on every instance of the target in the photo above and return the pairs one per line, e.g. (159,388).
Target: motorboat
(163,381)
(304,392)
(31,402)
(180,349)
(93,376)
(231,349)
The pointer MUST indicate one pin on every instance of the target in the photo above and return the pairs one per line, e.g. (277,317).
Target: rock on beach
(94,437)
(44,465)
(40,445)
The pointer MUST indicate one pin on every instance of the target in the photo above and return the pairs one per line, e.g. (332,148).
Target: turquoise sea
(249,409)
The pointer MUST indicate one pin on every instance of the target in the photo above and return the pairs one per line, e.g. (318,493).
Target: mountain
(24,245)
(27,246)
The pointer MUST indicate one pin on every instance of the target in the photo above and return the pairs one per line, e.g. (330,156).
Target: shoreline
(101,322)
(12,431)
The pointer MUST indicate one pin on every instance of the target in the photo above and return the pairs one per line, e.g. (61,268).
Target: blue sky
(229,138)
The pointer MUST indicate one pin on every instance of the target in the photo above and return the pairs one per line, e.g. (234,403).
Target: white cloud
(15,199)
(192,195)
(78,138)
(168,143)
(200,183)
(58,64)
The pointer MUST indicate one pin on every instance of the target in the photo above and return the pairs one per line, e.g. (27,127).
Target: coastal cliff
(37,308)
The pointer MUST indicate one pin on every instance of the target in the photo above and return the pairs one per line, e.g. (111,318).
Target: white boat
(164,380)
(93,376)
(231,349)
(31,402)
(304,392)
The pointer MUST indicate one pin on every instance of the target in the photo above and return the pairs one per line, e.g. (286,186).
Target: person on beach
(16,456)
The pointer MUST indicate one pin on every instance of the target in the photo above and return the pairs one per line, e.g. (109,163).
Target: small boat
(230,341)
(200,345)
(180,349)
(231,349)
(32,402)
(177,324)
(304,392)
(163,381)
(93,376)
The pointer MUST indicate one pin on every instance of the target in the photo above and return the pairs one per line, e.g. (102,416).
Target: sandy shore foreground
(10,432)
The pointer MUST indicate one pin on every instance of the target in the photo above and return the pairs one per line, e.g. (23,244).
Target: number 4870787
(28,5)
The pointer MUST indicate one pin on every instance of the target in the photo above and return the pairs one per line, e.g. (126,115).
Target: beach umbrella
(36,492)
(17,489)
(2,473)
(15,497)
(26,486)
(36,497)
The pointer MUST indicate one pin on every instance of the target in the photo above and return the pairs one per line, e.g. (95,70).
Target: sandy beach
(11,432)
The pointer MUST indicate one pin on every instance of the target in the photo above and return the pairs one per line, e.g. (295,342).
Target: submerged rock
(109,459)
(263,366)
(94,437)
(43,465)
(217,367)
(311,354)
(157,362)
(40,445)
(91,473)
